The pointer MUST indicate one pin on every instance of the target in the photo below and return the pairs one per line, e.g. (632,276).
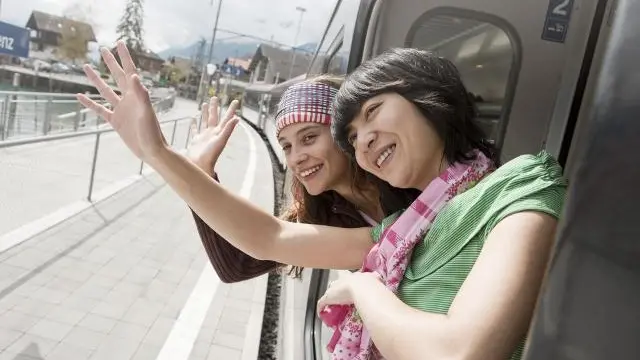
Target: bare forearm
(256,232)
(489,315)
(231,216)
(401,332)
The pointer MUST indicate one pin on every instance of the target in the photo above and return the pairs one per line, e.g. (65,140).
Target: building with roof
(183,64)
(149,63)
(241,63)
(272,65)
(147,60)
(47,31)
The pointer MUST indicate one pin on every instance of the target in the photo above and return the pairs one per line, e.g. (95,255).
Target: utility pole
(200,53)
(295,40)
(194,56)
(202,88)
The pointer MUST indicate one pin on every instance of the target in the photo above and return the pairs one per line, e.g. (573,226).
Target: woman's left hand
(340,291)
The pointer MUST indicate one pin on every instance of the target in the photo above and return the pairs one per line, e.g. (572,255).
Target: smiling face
(313,156)
(406,115)
(395,142)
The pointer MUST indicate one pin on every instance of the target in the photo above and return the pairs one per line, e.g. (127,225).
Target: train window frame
(516,54)
(336,45)
(314,59)
(318,63)
(320,277)
(353,38)
(312,337)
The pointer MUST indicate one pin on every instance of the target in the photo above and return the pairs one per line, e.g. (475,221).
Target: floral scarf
(390,256)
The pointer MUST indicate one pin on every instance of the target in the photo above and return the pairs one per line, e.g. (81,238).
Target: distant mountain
(221,50)
(224,49)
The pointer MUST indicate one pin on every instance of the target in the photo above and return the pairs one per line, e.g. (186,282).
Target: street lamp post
(211,70)
(295,40)
(200,95)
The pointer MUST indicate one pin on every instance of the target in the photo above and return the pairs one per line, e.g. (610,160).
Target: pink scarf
(390,256)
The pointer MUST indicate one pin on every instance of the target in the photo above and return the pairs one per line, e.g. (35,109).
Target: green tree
(171,74)
(74,34)
(130,28)
(73,42)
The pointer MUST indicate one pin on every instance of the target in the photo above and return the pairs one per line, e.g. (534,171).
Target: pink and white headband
(305,103)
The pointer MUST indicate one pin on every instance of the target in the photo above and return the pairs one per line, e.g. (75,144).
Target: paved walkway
(41,178)
(129,279)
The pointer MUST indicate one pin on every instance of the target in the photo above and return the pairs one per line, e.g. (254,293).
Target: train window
(335,63)
(334,50)
(483,53)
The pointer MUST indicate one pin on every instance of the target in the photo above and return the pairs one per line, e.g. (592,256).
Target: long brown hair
(318,209)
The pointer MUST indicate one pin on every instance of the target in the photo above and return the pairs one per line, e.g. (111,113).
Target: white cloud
(182,22)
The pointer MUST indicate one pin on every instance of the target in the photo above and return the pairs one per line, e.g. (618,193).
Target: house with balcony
(272,65)
(49,32)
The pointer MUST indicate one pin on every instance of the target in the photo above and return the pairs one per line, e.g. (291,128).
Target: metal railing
(30,114)
(98,133)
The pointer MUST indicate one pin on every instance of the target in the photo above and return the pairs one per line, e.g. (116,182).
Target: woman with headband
(327,187)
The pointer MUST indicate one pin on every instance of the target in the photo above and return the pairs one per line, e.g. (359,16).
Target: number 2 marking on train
(556,23)
(561,9)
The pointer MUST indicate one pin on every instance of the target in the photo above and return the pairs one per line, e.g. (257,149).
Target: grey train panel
(590,307)
(543,69)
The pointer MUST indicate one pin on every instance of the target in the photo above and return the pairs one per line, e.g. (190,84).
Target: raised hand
(207,145)
(132,116)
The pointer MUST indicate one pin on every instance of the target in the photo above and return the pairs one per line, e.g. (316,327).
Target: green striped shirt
(440,264)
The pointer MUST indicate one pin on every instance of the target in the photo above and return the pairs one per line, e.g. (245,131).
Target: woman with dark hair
(327,187)
(474,243)
(458,273)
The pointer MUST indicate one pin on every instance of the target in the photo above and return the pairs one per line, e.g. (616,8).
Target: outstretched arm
(256,232)
(230,263)
(205,147)
(247,227)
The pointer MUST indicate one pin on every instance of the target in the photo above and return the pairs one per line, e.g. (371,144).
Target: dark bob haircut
(431,83)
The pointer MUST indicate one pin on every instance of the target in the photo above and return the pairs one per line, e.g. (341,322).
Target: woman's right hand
(206,146)
(132,116)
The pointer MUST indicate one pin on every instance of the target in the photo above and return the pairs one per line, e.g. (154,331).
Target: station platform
(127,277)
